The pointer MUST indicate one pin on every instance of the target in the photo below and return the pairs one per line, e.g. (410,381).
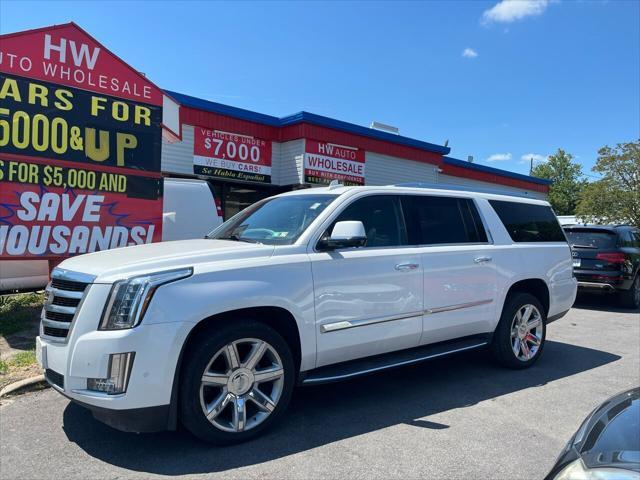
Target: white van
(189,211)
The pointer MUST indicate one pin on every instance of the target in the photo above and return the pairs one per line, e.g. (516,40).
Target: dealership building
(87,140)
(247,156)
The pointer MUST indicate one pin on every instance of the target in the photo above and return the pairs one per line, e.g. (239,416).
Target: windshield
(275,221)
(600,239)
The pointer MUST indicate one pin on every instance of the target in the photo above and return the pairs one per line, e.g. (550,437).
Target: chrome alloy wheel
(526,332)
(241,385)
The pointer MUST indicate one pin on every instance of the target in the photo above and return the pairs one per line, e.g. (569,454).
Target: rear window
(621,433)
(441,220)
(617,432)
(529,223)
(586,238)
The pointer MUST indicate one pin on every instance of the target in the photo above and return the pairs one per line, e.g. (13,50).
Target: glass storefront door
(237,197)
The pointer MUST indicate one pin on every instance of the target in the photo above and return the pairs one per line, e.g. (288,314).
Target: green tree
(568,181)
(615,198)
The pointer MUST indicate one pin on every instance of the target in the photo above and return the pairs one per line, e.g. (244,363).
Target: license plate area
(576,263)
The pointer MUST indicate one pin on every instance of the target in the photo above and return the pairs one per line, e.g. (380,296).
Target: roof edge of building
(303,117)
(496,171)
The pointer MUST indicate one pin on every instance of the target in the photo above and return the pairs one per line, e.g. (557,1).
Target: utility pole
(531,166)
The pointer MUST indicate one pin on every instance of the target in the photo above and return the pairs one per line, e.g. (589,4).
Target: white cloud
(499,157)
(507,11)
(537,158)
(469,53)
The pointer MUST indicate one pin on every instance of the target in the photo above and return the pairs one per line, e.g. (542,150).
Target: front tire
(520,335)
(236,382)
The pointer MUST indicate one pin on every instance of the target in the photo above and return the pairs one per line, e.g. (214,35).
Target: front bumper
(85,354)
(136,420)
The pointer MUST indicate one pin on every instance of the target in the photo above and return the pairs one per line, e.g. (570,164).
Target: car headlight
(130,298)
(576,470)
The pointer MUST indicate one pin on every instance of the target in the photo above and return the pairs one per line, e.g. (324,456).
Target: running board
(363,366)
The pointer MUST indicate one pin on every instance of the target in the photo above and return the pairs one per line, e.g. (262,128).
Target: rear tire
(236,382)
(519,338)
(631,298)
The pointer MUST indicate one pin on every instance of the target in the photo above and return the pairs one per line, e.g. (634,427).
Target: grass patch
(19,361)
(23,359)
(18,367)
(18,311)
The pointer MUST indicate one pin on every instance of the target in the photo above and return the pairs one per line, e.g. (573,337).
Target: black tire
(630,298)
(196,361)
(501,346)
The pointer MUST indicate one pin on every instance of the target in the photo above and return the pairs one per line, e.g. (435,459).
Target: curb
(12,387)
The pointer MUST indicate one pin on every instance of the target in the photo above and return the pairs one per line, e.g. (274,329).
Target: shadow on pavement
(601,303)
(329,413)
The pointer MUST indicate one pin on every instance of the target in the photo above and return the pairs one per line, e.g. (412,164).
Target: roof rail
(440,186)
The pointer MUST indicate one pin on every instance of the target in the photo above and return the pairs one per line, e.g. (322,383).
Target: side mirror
(345,235)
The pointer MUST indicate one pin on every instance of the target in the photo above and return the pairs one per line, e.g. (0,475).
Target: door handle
(482,259)
(403,267)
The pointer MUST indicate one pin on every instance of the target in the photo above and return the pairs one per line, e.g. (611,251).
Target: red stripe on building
(201,118)
(492,178)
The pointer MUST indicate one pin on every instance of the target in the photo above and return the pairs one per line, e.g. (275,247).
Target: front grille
(62,297)
(68,285)
(65,302)
(55,332)
(58,317)
(55,378)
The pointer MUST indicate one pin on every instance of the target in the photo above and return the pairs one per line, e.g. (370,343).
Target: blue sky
(537,75)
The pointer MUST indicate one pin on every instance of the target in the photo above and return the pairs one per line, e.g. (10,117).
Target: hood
(111,265)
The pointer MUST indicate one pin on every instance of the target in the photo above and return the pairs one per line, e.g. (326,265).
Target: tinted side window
(380,216)
(529,223)
(630,239)
(625,239)
(475,228)
(439,220)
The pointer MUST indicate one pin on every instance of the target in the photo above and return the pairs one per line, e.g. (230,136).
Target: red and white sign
(58,222)
(231,155)
(67,55)
(80,147)
(324,162)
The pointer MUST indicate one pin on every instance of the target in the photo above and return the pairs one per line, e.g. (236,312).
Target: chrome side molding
(343,325)
(459,306)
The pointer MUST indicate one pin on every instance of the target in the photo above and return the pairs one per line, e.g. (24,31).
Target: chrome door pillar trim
(458,306)
(335,326)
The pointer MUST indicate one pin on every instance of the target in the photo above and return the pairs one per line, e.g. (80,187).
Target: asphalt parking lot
(461,417)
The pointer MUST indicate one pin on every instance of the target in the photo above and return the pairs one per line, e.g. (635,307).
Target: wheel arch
(278,318)
(534,286)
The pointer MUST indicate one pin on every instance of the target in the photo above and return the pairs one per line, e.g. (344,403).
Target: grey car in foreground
(607,444)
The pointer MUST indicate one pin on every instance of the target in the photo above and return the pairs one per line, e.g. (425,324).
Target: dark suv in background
(606,259)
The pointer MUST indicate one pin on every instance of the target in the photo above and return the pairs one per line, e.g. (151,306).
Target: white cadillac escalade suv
(302,288)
